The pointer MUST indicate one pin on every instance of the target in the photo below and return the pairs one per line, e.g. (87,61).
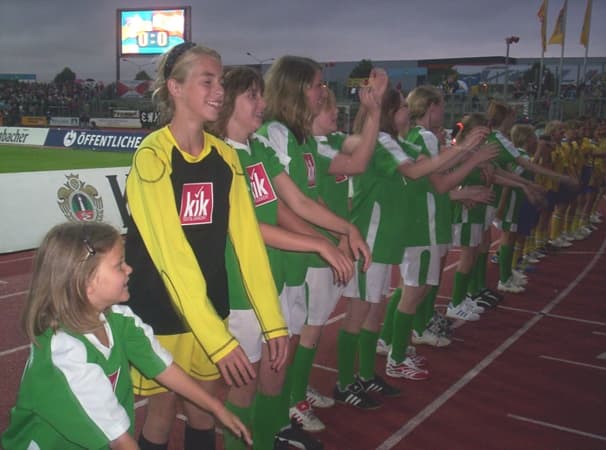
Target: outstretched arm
(177,380)
(321,216)
(357,149)
(536,168)
(446,159)
(444,182)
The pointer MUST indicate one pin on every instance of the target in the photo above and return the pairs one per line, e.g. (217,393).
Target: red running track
(529,375)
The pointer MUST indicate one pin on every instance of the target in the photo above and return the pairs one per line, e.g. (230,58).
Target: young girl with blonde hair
(188,197)
(76,390)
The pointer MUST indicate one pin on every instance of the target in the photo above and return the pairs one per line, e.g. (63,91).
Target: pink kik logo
(310,163)
(196,204)
(260,184)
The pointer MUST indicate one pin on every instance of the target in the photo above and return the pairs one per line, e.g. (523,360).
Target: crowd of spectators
(18,98)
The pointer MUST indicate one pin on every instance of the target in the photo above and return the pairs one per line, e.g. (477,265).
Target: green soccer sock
(265,422)
(472,286)
(387,328)
(230,440)
(367,345)
(425,310)
(283,413)
(347,347)
(402,326)
(459,289)
(505,257)
(304,359)
(481,273)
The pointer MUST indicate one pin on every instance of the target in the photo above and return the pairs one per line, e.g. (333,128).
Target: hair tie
(174,55)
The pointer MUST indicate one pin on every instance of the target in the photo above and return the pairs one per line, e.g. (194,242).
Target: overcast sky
(43,37)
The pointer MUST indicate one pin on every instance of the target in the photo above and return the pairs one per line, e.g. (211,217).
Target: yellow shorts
(188,354)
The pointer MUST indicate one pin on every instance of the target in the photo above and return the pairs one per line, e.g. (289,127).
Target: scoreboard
(152,31)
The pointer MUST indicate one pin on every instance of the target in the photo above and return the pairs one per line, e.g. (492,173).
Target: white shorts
(371,286)
(422,265)
(491,213)
(322,293)
(467,234)
(244,326)
(293,300)
(351,289)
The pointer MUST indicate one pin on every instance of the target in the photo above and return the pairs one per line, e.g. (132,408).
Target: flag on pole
(586,26)
(557,37)
(542,15)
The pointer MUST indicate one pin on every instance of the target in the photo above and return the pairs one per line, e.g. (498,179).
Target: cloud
(45,37)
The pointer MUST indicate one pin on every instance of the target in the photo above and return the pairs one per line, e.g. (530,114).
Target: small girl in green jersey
(76,390)
(277,199)
(427,232)
(295,95)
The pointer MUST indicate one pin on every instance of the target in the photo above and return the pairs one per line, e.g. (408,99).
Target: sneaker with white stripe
(461,312)
(304,416)
(317,400)
(355,395)
(405,369)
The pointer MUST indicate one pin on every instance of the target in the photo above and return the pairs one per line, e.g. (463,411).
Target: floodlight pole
(508,41)
(260,62)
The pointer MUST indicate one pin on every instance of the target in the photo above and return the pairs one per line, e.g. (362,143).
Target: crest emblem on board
(78,201)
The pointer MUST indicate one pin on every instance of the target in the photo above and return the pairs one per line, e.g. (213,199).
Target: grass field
(14,158)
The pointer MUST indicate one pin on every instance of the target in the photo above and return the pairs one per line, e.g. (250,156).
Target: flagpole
(585,37)
(562,53)
(541,74)
(543,17)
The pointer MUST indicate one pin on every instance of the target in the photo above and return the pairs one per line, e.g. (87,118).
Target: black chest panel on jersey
(206,235)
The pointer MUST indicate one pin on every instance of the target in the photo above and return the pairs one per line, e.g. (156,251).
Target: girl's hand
(570,181)
(488,171)
(235,368)
(478,194)
(278,352)
(484,153)
(231,422)
(371,95)
(359,247)
(475,138)
(342,265)
(378,82)
(534,196)
(471,195)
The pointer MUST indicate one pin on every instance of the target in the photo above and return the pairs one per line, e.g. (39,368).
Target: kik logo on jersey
(196,204)
(113,378)
(260,184)
(341,178)
(310,163)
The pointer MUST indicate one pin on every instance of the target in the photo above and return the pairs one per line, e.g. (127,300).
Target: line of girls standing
(243,239)
(203,281)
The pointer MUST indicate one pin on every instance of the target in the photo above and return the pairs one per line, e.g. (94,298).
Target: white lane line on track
(328,369)
(555,316)
(335,319)
(557,427)
(456,263)
(14,350)
(407,428)
(14,260)
(575,252)
(599,333)
(13,294)
(591,322)
(3,282)
(574,363)
(511,308)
